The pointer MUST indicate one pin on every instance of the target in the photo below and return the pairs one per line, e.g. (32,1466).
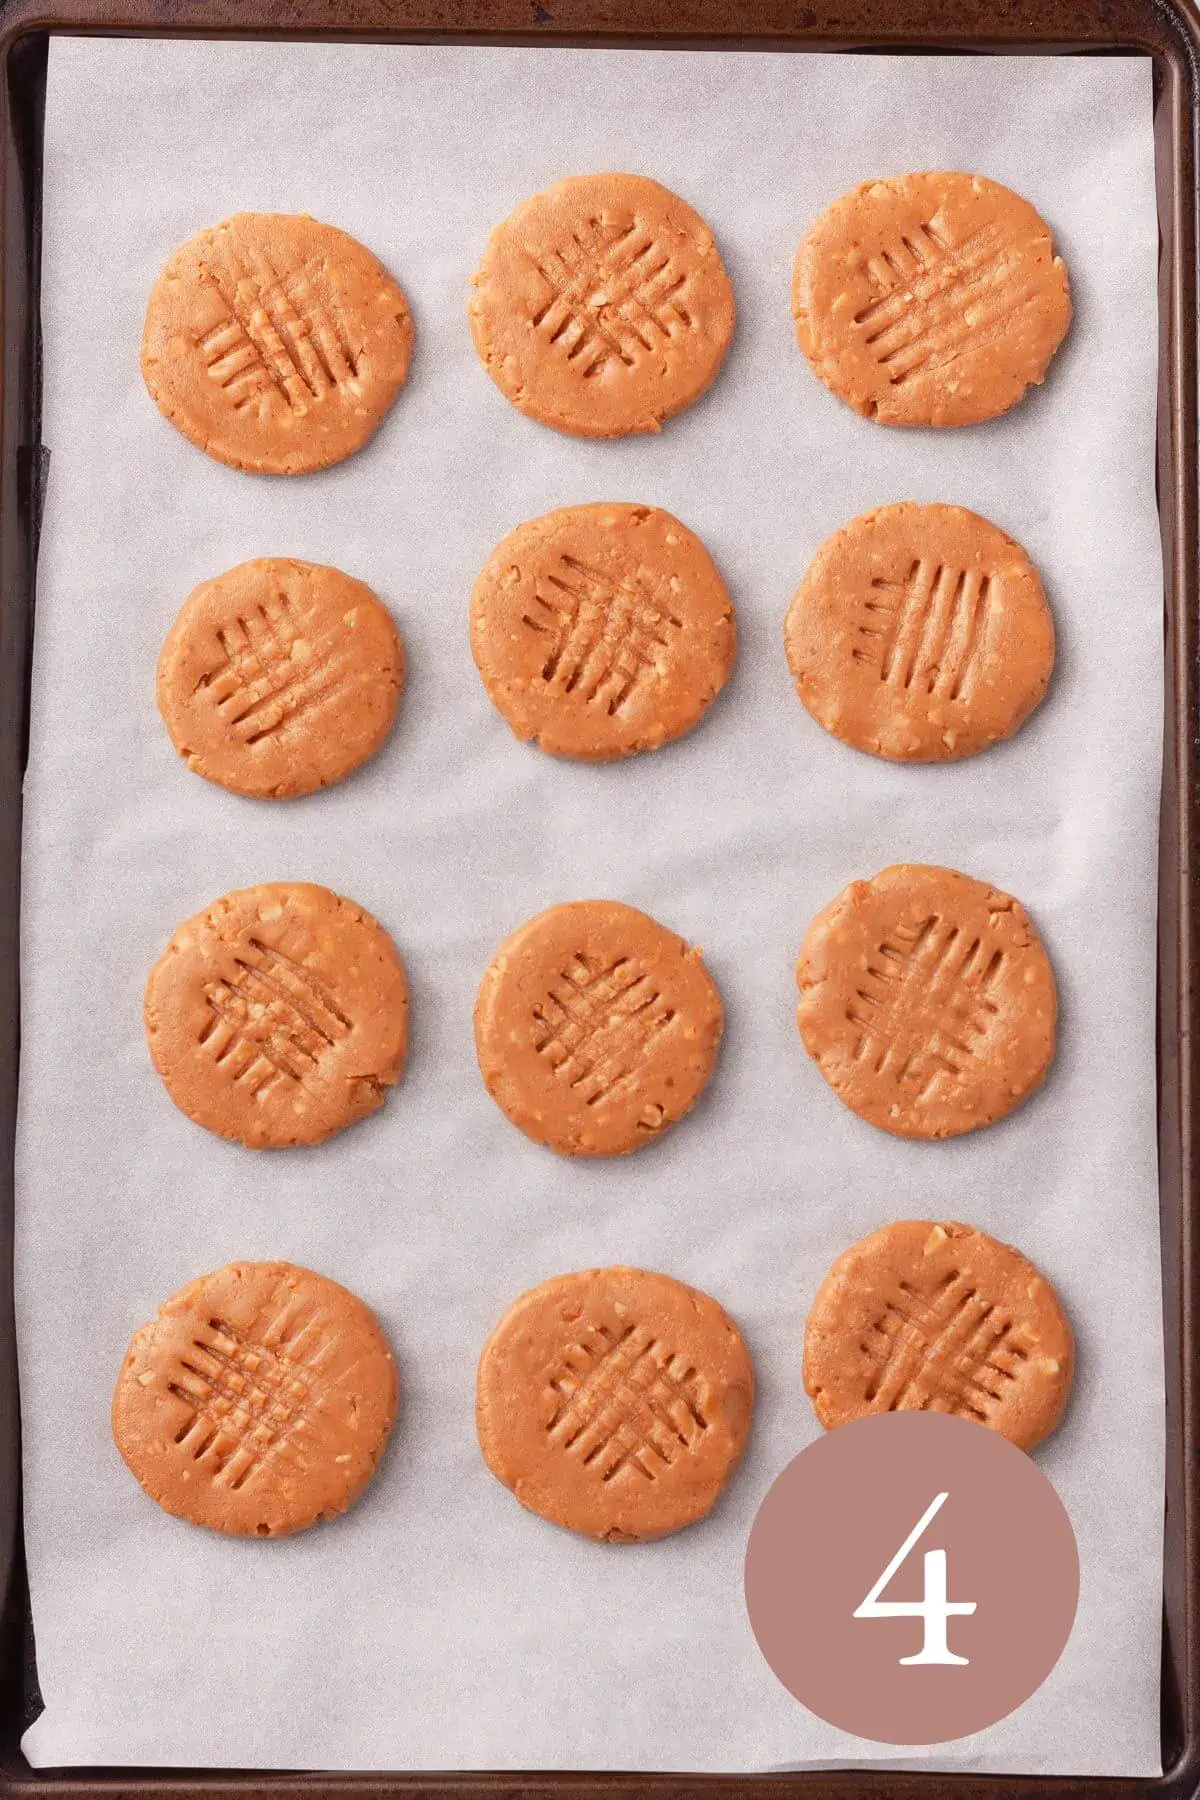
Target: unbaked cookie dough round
(602,630)
(601,306)
(276,343)
(279,1015)
(930,299)
(596,1028)
(921,634)
(258,1401)
(927,1001)
(615,1402)
(279,677)
(939,1318)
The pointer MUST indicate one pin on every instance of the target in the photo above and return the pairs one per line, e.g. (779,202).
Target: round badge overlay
(912,1577)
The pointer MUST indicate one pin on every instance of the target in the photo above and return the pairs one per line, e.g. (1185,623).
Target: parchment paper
(439,1625)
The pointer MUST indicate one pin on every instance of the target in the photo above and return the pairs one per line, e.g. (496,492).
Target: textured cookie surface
(615,1402)
(939,1318)
(275,343)
(279,677)
(920,633)
(258,1401)
(602,630)
(596,1028)
(931,299)
(927,1001)
(601,306)
(278,1015)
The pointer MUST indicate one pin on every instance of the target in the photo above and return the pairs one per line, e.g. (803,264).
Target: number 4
(933,1607)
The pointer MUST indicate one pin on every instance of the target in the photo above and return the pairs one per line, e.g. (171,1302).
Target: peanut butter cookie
(258,1401)
(275,343)
(602,630)
(615,1402)
(939,1318)
(601,306)
(920,633)
(927,1001)
(931,299)
(279,677)
(278,1015)
(596,1028)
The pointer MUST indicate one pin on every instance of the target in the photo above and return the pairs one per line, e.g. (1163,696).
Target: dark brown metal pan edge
(1168,32)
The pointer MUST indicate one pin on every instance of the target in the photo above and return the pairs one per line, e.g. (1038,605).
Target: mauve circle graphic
(836,1517)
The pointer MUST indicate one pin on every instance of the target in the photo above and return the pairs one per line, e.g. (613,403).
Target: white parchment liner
(439,1626)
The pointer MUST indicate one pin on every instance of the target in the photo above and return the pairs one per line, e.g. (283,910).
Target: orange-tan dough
(930,299)
(602,630)
(921,634)
(278,1015)
(596,1028)
(257,1401)
(275,343)
(927,1001)
(279,677)
(939,1318)
(615,1402)
(601,306)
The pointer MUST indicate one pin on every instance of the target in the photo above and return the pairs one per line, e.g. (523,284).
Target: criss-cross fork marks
(614,295)
(603,636)
(250,1397)
(273,1022)
(945,1348)
(928,632)
(924,1003)
(624,1401)
(278,335)
(273,674)
(598,1024)
(935,300)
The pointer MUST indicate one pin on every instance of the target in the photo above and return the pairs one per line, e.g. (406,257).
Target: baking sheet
(440,1626)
